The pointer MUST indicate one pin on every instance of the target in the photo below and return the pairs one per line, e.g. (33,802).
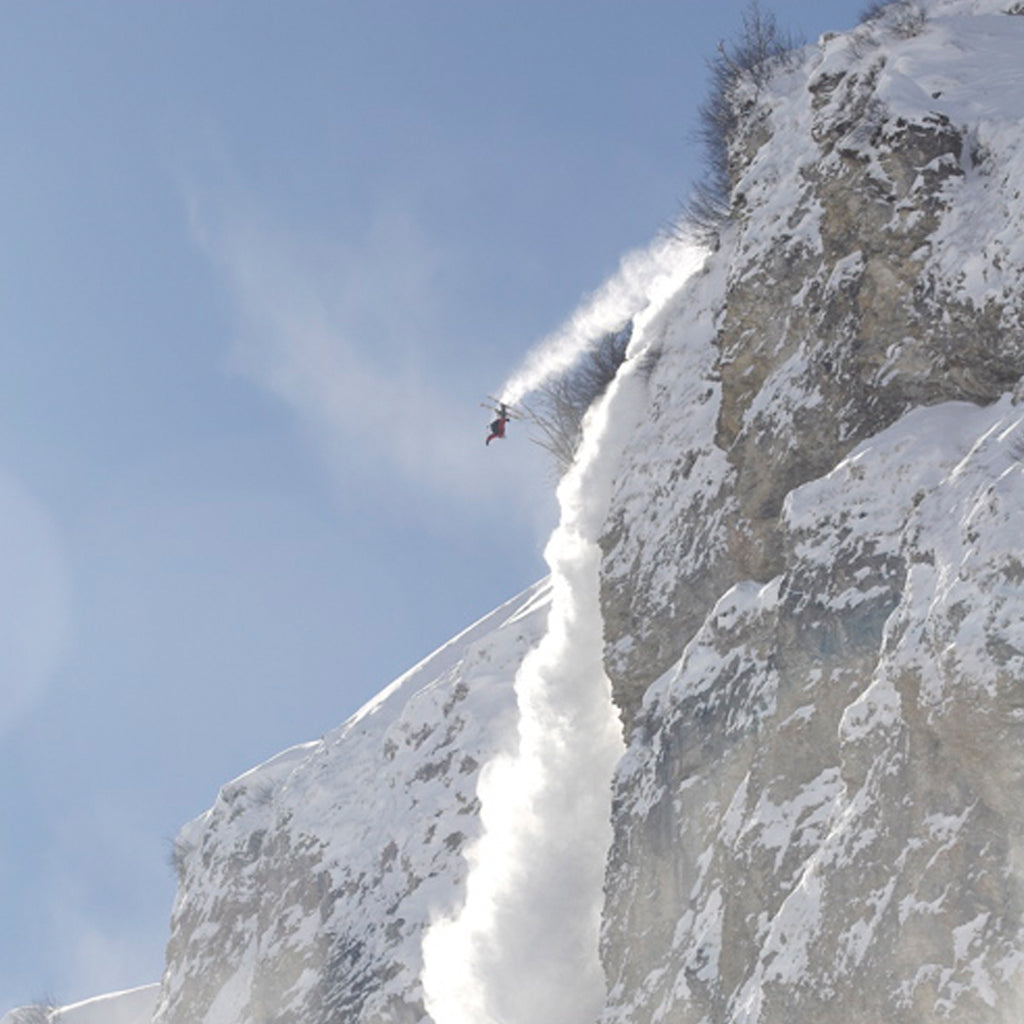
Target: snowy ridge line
(370,823)
(276,770)
(523,604)
(130,1006)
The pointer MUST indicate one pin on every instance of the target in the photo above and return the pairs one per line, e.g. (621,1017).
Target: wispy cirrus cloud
(340,334)
(35,600)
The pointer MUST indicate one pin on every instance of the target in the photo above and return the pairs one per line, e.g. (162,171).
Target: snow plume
(645,277)
(524,947)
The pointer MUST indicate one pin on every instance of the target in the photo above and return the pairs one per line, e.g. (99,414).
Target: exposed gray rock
(827,787)
(813,610)
(834,319)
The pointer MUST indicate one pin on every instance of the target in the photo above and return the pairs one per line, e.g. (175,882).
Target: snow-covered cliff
(813,582)
(755,752)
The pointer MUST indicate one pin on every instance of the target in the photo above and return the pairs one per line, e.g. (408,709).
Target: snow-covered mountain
(306,888)
(754,753)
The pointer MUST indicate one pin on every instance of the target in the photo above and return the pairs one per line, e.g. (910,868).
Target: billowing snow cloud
(532,909)
(645,278)
(524,947)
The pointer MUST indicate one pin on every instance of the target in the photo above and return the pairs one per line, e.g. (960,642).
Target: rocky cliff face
(813,602)
(819,817)
(874,266)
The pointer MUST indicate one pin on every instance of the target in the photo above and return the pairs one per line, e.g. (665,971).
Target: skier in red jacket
(497,429)
(497,426)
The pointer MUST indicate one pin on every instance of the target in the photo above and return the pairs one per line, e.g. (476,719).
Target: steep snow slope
(305,888)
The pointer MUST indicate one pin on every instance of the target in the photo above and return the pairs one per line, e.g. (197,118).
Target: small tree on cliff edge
(751,58)
(559,406)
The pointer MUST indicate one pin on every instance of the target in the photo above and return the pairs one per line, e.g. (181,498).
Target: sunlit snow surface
(309,882)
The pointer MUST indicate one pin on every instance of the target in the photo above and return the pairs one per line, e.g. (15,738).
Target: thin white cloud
(348,337)
(35,600)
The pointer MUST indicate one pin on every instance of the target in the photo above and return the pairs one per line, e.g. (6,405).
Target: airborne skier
(497,426)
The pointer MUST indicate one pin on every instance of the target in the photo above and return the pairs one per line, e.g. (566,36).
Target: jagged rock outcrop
(826,788)
(820,814)
(873,266)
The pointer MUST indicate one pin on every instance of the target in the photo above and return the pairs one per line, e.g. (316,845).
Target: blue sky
(259,262)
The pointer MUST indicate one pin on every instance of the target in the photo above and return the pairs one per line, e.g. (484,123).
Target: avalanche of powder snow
(535,888)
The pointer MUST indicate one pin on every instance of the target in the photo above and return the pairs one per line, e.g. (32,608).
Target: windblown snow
(645,279)
(535,887)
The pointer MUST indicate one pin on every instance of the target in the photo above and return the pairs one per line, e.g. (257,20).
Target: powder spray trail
(644,279)
(524,947)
